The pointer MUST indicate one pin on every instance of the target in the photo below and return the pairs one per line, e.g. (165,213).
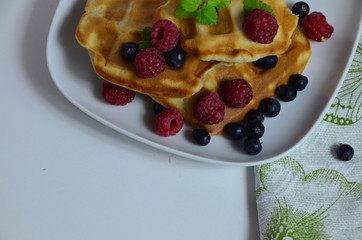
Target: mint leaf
(182,13)
(146,38)
(144,45)
(205,12)
(250,5)
(219,4)
(207,15)
(146,34)
(214,3)
(190,5)
(222,4)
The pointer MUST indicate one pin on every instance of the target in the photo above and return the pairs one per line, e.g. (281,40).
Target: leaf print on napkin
(312,202)
(347,107)
(289,223)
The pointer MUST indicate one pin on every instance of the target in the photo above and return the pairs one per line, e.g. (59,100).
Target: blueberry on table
(286,93)
(129,50)
(298,81)
(270,107)
(234,131)
(267,62)
(201,136)
(345,152)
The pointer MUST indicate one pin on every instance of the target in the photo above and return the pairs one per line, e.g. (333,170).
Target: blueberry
(301,9)
(345,152)
(254,115)
(176,57)
(234,131)
(252,146)
(286,93)
(298,81)
(129,50)
(267,62)
(255,129)
(157,108)
(201,136)
(270,107)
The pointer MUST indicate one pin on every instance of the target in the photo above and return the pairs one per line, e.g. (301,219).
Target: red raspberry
(165,35)
(210,109)
(316,27)
(149,63)
(117,95)
(237,93)
(260,26)
(169,122)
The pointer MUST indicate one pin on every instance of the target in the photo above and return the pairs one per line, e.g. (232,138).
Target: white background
(65,176)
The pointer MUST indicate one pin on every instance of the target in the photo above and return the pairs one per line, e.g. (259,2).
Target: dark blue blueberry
(345,152)
(201,136)
(267,62)
(286,93)
(234,130)
(176,57)
(129,50)
(270,107)
(254,130)
(157,108)
(252,146)
(298,81)
(254,115)
(301,9)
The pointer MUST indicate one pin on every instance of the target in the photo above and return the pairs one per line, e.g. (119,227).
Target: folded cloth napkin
(310,194)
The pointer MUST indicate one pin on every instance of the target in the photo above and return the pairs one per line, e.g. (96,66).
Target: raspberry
(169,122)
(260,26)
(237,93)
(149,63)
(210,109)
(165,35)
(117,95)
(316,27)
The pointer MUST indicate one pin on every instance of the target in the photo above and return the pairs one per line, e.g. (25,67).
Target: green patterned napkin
(310,194)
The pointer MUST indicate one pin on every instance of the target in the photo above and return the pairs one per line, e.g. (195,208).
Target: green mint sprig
(250,5)
(146,38)
(205,12)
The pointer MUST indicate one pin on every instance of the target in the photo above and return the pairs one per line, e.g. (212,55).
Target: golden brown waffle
(263,82)
(107,24)
(226,41)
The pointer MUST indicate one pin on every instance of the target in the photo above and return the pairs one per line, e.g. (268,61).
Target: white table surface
(66,176)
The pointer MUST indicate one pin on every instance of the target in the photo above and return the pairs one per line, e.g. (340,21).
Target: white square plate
(71,70)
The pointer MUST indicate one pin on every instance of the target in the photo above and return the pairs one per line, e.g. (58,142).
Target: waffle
(263,82)
(226,41)
(107,24)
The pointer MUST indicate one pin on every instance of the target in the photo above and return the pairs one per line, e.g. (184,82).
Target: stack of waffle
(214,53)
